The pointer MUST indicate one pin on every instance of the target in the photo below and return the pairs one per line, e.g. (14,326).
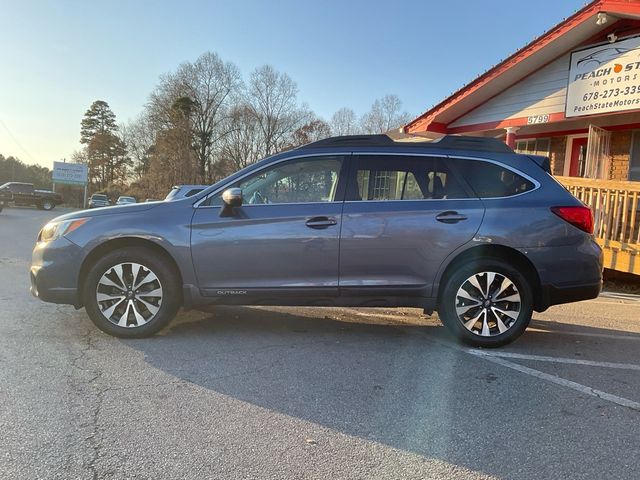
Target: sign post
(71,174)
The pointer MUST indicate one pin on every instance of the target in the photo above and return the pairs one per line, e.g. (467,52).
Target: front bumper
(55,267)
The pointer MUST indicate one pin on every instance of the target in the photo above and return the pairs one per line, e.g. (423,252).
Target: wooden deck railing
(616,210)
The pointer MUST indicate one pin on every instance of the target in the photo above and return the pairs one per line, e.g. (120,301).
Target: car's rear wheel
(487,303)
(131,293)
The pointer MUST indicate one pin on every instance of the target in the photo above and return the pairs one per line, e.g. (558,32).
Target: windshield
(127,200)
(98,197)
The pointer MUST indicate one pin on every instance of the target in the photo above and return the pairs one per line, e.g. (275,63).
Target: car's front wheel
(486,303)
(46,205)
(131,293)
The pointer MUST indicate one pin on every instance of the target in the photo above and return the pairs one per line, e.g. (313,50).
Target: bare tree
(172,157)
(139,137)
(312,131)
(243,145)
(272,98)
(344,122)
(211,86)
(385,114)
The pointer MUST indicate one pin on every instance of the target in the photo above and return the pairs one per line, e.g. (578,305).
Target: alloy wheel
(129,294)
(488,303)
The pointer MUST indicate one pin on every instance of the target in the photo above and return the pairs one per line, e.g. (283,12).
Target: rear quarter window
(490,180)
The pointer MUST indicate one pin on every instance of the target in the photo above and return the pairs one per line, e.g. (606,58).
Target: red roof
(577,29)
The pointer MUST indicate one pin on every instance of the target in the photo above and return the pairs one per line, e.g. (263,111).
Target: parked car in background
(461,225)
(25,194)
(5,198)
(183,191)
(123,200)
(99,200)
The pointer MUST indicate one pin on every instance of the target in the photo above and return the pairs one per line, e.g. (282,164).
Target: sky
(56,58)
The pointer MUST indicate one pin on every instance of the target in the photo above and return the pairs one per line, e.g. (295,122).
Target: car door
(19,191)
(284,239)
(403,215)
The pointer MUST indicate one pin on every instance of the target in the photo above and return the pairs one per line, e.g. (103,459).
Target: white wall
(541,93)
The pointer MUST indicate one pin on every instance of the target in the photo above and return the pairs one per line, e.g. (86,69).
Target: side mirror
(232,199)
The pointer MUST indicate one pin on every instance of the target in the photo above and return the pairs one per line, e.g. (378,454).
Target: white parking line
(622,296)
(495,357)
(557,380)
(586,334)
(543,358)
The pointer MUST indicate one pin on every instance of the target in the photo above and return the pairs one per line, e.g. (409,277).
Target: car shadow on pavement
(409,387)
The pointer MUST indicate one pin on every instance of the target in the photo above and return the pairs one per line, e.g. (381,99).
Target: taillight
(578,216)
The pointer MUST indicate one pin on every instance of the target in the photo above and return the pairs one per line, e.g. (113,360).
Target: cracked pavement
(308,393)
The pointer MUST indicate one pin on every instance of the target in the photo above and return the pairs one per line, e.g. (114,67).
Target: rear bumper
(554,295)
(568,273)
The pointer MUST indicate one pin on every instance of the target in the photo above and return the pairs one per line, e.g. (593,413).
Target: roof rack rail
(353,141)
(448,142)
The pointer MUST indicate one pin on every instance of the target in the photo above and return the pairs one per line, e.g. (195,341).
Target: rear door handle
(450,217)
(321,222)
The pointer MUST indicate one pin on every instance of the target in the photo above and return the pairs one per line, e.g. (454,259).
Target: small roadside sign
(69,173)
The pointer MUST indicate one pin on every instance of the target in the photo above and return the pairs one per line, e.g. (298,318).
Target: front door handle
(321,222)
(450,217)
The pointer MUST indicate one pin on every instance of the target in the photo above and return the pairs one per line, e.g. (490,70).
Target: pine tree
(106,152)
(99,119)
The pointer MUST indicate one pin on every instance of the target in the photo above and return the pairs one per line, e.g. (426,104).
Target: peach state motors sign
(604,79)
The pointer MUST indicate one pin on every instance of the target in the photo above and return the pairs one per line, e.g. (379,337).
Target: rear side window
(395,177)
(489,180)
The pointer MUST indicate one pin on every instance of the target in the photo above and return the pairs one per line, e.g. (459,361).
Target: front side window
(489,180)
(305,180)
(394,177)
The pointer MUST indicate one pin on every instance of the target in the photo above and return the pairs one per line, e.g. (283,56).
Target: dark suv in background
(461,225)
(98,200)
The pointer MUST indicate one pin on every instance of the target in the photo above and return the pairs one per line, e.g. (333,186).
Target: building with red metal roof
(572,94)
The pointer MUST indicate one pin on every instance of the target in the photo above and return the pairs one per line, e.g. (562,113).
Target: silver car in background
(124,200)
(183,191)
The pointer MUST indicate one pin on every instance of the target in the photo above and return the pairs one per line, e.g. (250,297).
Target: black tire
(166,275)
(47,205)
(449,300)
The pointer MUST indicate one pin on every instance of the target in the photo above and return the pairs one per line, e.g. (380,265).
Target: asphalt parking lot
(286,393)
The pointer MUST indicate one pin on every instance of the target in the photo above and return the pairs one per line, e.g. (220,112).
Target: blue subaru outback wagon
(461,225)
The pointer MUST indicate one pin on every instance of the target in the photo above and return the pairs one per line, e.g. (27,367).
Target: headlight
(54,230)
